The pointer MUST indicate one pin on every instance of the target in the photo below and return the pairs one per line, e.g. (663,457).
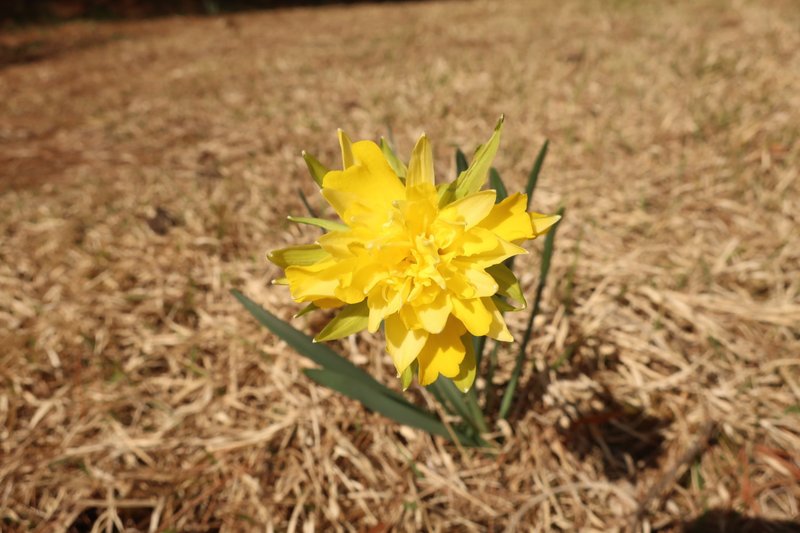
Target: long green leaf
(533,177)
(399,412)
(461,162)
(547,256)
(496,183)
(304,199)
(319,353)
(455,399)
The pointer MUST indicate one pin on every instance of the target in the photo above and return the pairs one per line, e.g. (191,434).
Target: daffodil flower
(424,261)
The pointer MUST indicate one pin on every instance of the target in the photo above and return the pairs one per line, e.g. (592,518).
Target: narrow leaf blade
(400,413)
(496,183)
(533,177)
(319,353)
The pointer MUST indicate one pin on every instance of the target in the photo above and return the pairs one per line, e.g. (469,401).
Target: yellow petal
(442,354)
(509,220)
(420,168)
(347,149)
(484,284)
(368,186)
(467,369)
(433,316)
(314,282)
(473,314)
(403,344)
(543,223)
(471,209)
(384,301)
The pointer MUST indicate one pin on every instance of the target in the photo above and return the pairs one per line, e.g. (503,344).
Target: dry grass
(147,167)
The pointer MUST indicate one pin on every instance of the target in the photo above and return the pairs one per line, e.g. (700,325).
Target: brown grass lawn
(146,168)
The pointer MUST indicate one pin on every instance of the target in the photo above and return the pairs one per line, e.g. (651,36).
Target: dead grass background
(147,167)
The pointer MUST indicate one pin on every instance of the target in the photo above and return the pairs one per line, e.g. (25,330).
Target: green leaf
(315,168)
(351,319)
(302,255)
(547,256)
(533,177)
(461,162)
(399,412)
(496,183)
(508,284)
(454,400)
(319,353)
(398,166)
(323,223)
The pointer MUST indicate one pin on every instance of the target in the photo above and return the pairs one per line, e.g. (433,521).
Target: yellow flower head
(426,261)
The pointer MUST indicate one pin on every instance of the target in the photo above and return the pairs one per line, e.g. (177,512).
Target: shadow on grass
(625,439)
(727,521)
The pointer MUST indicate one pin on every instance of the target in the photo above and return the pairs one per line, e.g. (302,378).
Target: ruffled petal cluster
(425,261)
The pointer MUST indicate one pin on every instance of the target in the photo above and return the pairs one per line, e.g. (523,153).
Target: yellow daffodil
(425,261)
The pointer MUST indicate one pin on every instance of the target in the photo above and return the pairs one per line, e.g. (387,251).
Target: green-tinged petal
(406,376)
(346,145)
(303,255)
(403,344)
(542,223)
(315,168)
(307,309)
(503,305)
(508,284)
(472,179)
(469,210)
(280,281)
(398,166)
(351,319)
(467,369)
(497,327)
(420,168)
(442,354)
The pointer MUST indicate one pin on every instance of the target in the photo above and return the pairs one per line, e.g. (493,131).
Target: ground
(147,167)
